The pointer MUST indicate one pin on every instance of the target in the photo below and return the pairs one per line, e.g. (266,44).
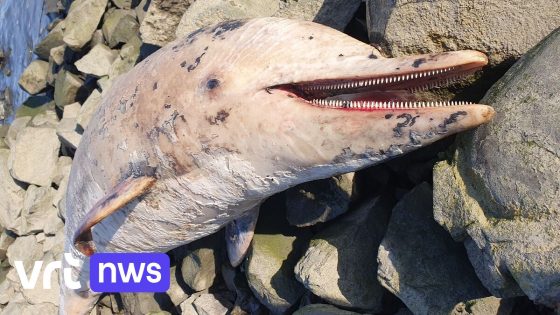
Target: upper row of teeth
(377,81)
(384,105)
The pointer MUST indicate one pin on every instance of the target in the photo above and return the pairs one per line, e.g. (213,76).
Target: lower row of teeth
(383,105)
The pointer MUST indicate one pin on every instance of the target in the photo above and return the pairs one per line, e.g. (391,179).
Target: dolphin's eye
(212,84)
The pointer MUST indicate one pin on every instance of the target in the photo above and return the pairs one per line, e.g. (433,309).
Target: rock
(322,309)
(334,13)
(52,40)
(211,304)
(33,157)
(11,193)
(45,119)
(97,61)
(6,292)
(142,9)
(443,25)
(144,303)
(37,206)
(420,263)
(71,110)
(66,88)
(63,166)
(175,292)
(119,26)
(68,134)
(88,109)
(127,58)
(57,54)
(82,21)
(5,104)
(23,308)
(54,244)
(125,4)
(199,266)
(6,239)
(17,125)
(161,20)
(339,265)
(39,294)
(34,77)
(319,201)
(25,249)
(209,12)
(36,105)
(272,256)
(488,305)
(500,192)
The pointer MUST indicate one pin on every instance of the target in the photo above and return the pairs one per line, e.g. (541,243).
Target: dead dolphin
(197,135)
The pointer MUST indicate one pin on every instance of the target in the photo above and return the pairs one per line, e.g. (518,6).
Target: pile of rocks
(357,243)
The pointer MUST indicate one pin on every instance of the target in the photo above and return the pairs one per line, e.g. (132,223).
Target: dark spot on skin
(408,121)
(382,152)
(136,125)
(418,62)
(189,39)
(167,106)
(220,118)
(431,119)
(341,55)
(453,118)
(155,86)
(398,68)
(212,84)
(183,64)
(167,128)
(348,154)
(372,56)
(311,37)
(388,116)
(183,118)
(414,138)
(268,90)
(225,27)
(197,61)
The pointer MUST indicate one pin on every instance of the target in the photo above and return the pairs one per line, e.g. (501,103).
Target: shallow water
(23,23)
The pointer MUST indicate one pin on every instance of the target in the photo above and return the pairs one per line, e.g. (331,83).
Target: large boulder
(119,26)
(334,13)
(412,27)
(420,263)
(11,194)
(33,157)
(159,25)
(34,77)
(499,192)
(67,88)
(340,263)
(82,21)
(53,39)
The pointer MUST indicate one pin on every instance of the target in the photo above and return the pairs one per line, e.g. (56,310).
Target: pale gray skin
(198,115)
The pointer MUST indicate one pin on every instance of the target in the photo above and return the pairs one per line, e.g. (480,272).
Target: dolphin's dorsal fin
(126,191)
(239,234)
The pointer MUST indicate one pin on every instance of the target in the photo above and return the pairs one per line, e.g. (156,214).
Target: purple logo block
(129,272)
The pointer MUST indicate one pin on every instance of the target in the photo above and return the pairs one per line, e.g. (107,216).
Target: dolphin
(196,136)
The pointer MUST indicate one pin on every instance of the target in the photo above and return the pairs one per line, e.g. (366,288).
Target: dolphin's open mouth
(392,91)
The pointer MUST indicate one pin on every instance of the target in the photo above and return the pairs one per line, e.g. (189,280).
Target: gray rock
(339,265)
(34,77)
(45,119)
(159,25)
(175,292)
(11,194)
(37,206)
(63,166)
(141,303)
(500,193)
(57,54)
(199,266)
(442,25)
(25,249)
(66,88)
(211,304)
(270,270)
(420,263)
(39,295)
(6,292)
(119,26)
(125,4)
(68,134)
(141,10)
(127,58)
(97,61)
(489,305)
(322,309)
(17,125)
(319,201)
(71,110)
(33,157)
(334,13)
(52,40)
(82,21)
(54,244)
(88,109)
(24,308)
(209,12)
(6,239)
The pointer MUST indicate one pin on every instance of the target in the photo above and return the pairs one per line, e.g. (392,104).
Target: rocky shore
(465,226)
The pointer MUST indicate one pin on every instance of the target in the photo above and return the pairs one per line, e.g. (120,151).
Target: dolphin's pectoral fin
(239,234)
(119,196)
